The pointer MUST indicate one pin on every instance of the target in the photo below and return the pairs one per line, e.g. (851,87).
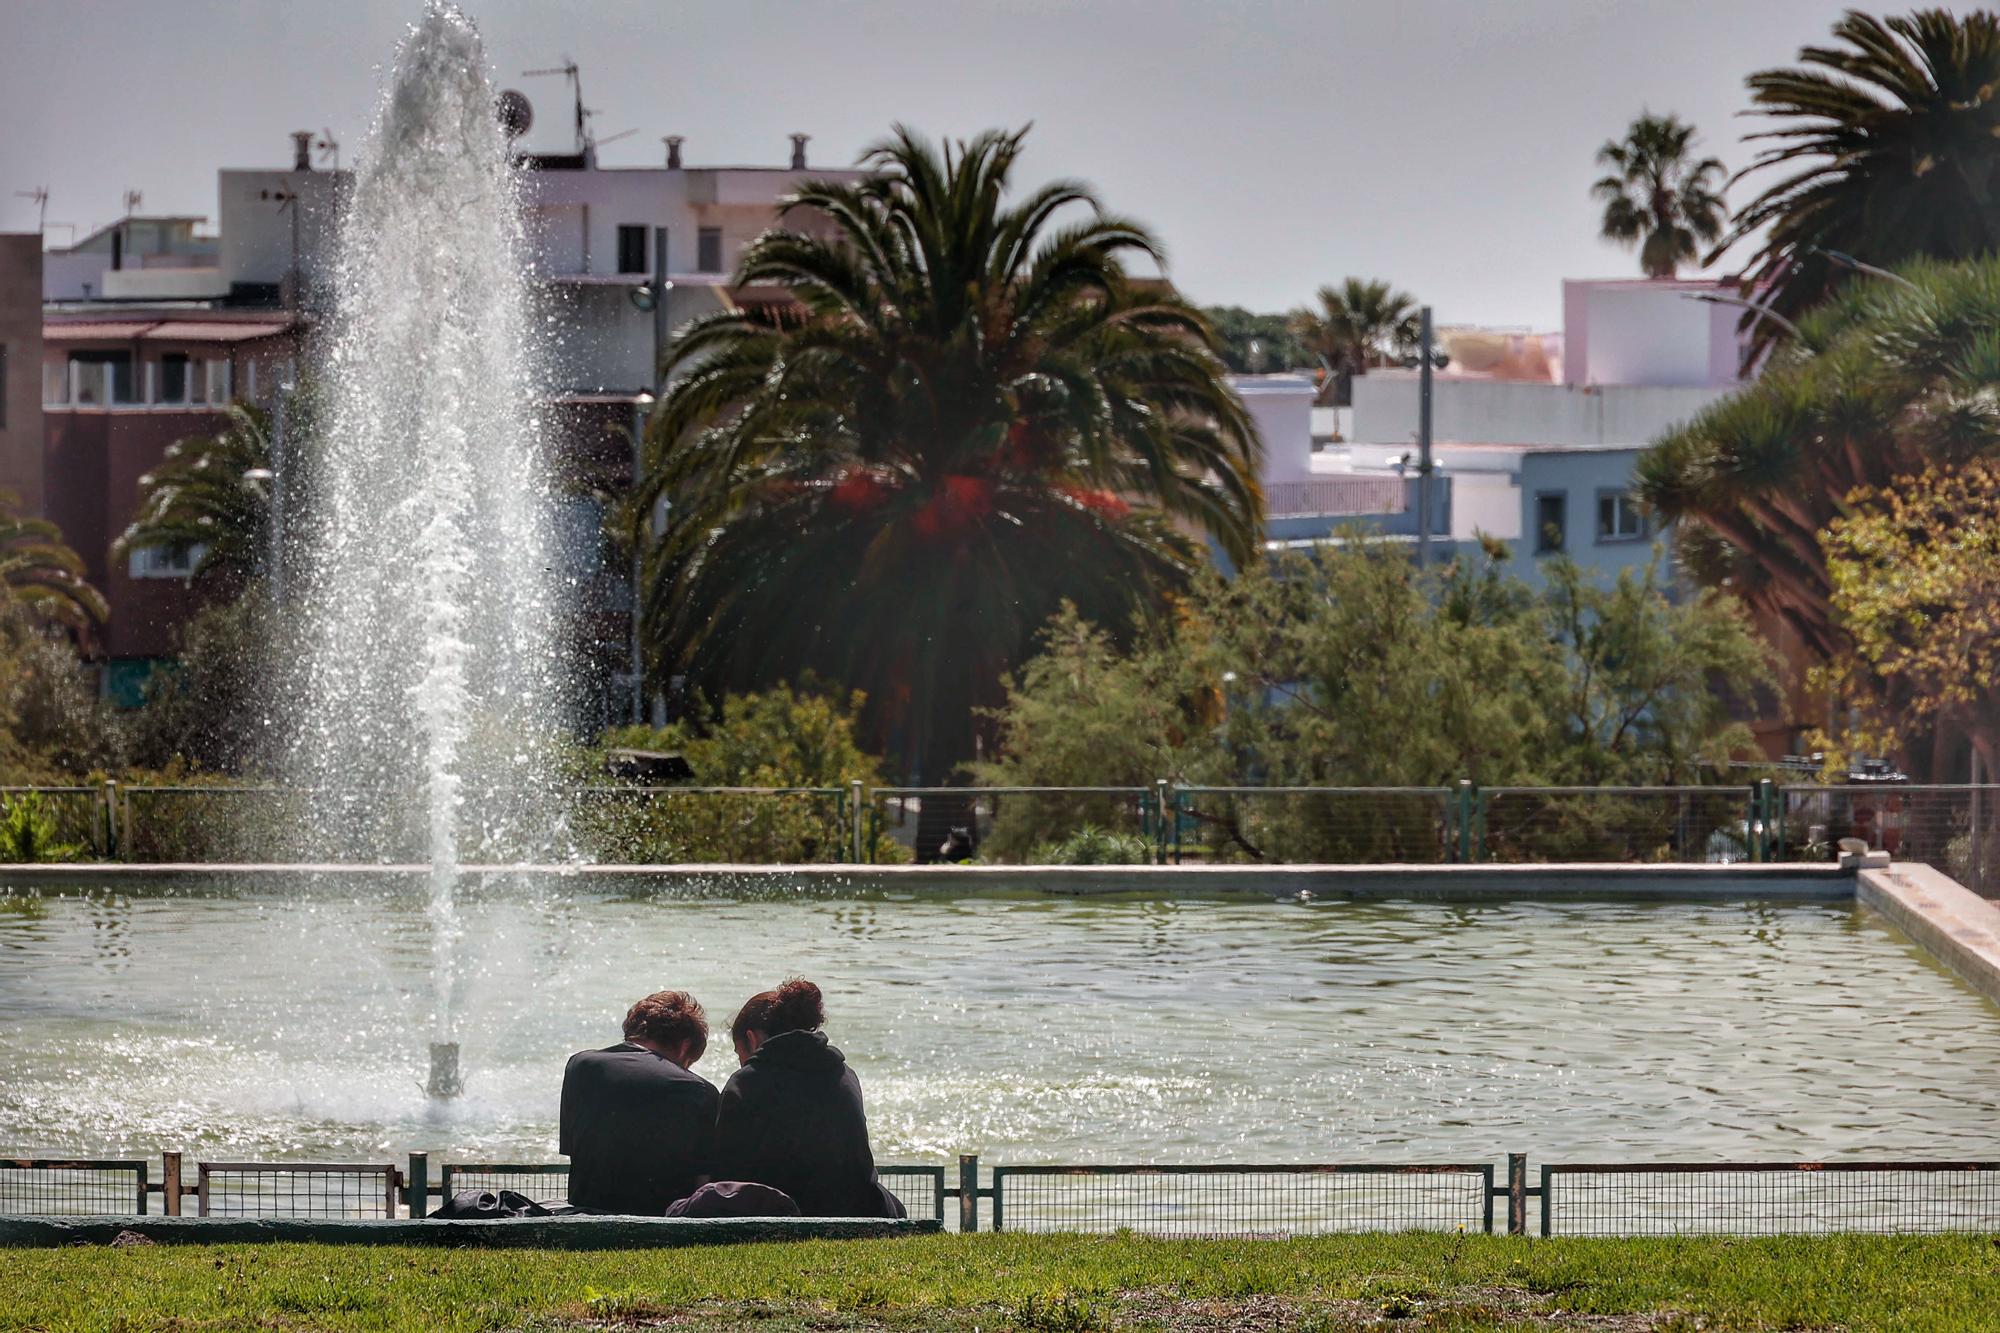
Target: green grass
(1050,1284)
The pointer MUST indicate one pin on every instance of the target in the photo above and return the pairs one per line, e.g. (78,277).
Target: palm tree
(1884,380)
(211,494)
(1658,197)
(1360,324)
(1887,149)
(42,575)
(965,413)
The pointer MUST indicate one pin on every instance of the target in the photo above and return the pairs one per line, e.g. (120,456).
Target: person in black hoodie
(791,1115)
(638,1125)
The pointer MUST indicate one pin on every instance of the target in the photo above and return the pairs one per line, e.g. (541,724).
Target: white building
(1534,434)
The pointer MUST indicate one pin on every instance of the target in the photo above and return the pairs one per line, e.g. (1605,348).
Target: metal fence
(1769,1198)
(1265,1199)
(1954,827)
(1281,1200)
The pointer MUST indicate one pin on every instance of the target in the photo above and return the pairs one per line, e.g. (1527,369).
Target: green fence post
(1774,822)
(1753,827)
(1517,1194)
(1162,796)
(968,1192)
(110,819)
(855,814)
(1478,824)
(1462,816)
(1179,796)
(418,1199)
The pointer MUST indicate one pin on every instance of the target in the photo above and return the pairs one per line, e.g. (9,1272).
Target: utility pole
(1424,439)
(657,290)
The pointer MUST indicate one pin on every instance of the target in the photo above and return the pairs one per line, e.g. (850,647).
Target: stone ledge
(1615,880)
(1952,923)
(549,1233)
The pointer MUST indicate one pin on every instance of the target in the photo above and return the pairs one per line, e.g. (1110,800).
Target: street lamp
(1872,270)
(1763,312)
(642,404)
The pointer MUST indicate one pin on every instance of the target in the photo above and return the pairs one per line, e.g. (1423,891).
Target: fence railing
(1210,1199)
(1954,827)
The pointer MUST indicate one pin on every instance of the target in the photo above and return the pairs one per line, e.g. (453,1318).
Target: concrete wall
(21,349)
(1513,412)
(1580,477)
(1282,408)
(1649,332)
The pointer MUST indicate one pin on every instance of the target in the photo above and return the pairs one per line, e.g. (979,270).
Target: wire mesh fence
(678,825)
(60,1188)
(74,820)
(1243,1200)
(1758,1199)
(1953,828)
(301,1189)
(921,1188)
(1356,825)
(1640,824)
(1015,825)
(195,825)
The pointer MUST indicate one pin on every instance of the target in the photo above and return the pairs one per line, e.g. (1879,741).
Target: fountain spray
(435,685)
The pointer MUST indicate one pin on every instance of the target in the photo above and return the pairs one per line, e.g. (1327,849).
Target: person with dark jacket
(638,1126)
(791,1115)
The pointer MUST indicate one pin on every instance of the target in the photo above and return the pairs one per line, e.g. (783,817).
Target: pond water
(1027,1028)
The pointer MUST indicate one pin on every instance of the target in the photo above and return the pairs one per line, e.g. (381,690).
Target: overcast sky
(1444,144)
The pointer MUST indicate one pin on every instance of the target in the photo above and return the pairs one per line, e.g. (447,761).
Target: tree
(1915,570)
(1353,668)
(965,411)
(212,494)
(1657,196)
(1886,148)
(1250,343)
(42,575)
(1886,380)
(1359,325)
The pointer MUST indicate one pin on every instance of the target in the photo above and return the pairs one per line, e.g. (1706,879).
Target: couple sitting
(644,1133)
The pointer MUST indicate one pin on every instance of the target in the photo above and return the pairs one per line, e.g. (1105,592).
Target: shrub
(29,832)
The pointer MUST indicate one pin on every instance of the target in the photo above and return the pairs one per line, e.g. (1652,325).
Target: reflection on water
(1023,1027)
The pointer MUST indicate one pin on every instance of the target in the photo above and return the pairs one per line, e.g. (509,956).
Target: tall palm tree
(965,413)
(1658,196)
(1361,324)
(212,494)
(41,574)
(1887,148)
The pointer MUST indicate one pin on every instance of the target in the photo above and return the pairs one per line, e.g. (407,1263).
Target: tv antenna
(612,138)
(328,148)
(40,194)
(132,200)
(569,71)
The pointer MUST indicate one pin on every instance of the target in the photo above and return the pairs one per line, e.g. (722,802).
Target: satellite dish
(514,113)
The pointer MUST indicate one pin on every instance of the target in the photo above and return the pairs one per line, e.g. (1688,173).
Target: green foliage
(42,575)
(215,709)
(781,737)
(1352,669)
(53,726)
(1657,197)
(968,412)
(1093,846)
(1884,146)
(212,493)
(1357,326)
(1251,343)
(29,831)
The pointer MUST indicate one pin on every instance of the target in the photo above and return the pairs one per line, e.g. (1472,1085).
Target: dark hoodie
(791,1118)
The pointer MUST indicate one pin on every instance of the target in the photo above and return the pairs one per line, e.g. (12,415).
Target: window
(631,249)
(708,250)
(1551,521)
(215,371)
(1619,518)
(173,378)
(101,377)
(166,562)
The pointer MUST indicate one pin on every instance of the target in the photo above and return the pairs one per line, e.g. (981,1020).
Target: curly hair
(668,1017)
(794,1006)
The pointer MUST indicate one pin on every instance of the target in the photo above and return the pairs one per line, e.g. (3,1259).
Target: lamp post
(1872,270)
(641,406)
(1762,312)
(1424,438)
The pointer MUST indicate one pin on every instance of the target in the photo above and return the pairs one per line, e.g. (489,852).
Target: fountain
(433,682)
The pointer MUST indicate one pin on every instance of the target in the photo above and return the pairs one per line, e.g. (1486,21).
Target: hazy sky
(1444,144)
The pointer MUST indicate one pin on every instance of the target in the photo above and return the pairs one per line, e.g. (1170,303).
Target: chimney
(302,150)
(673,143)
(799,151)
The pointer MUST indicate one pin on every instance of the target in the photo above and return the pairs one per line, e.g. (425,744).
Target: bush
(29,832)
(1093,846)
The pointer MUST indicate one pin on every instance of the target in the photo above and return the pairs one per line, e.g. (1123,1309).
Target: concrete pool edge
(542,1233)
(1949,921)
(1587,880)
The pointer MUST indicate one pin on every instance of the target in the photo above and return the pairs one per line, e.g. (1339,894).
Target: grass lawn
(1054,1283)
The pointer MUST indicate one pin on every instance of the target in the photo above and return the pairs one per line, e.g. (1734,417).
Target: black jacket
(639,1131)
(791,1118)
